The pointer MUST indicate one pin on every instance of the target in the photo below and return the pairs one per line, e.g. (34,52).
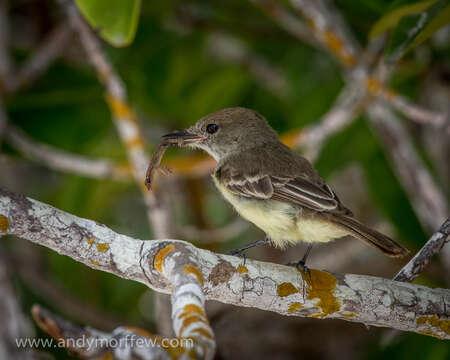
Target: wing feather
(298,190)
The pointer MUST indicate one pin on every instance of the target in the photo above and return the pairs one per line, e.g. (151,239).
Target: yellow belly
(284,223)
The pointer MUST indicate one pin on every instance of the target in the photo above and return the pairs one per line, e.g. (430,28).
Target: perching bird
(272,186)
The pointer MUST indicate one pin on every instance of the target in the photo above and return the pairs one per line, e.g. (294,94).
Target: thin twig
(46,53)
(124,118)
(64,161)
(15,324)
(332,32)
(346,108)
(427,199)
(290,23)
(6,65)
(226,47)
(416,265)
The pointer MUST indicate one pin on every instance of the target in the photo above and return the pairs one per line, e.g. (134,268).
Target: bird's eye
(212,128)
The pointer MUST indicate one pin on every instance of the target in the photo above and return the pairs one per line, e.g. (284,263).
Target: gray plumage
(274,187)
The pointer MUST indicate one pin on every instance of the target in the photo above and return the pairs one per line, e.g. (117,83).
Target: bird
(274,187)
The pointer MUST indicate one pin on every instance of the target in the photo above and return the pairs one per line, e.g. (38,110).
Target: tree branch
(6,65)
(427,199)
(229,48)
(42,58)
(290,23)
(161,263)
(416,265)
(124,118)
(332,32)
(64,161)
(14,323)
(124,343)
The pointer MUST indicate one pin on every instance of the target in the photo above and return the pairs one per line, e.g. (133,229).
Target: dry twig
(416,265)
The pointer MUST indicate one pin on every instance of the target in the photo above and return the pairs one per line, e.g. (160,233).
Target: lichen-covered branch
(65,232)
(124,343)
(267,286)
(415,266)
(331,31)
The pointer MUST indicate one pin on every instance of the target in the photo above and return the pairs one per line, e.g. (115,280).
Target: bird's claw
(301,265)
(239,253)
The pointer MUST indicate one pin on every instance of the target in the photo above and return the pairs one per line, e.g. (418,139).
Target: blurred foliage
(172,81)
(413,24)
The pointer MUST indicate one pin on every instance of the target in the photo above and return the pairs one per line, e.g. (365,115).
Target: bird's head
(226,132)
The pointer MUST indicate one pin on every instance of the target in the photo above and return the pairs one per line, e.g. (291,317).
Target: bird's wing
(255,186)
(298,190)
(303,192)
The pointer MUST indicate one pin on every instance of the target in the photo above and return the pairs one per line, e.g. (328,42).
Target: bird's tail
(372,237)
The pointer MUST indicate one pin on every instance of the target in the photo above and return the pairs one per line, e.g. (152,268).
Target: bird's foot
(240,251)
(301,265)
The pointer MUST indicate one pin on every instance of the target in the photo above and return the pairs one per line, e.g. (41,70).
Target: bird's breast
(276,219)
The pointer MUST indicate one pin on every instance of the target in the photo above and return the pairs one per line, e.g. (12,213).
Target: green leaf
(438,22)
(391,19)
(412,30)
(116,20)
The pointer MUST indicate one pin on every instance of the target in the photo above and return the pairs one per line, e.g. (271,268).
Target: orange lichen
(203,332)
(135,142)
(102,247)
(321,285)
(120,108)
(191,269)
(389,94)
(191,320)
(242,269)
(95,262)
(291,138)
(107,356)
(140,331)
(435,322)
(315,316)
(294,306)
(349,315)
(90,241)
(310,21)
(286,289)
(191,309)
(373,85)
(4,223)
(337,46)
(123,169)
(429,333)
(160,256)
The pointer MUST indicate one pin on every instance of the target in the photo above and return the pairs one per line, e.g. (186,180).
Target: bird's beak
(182,138)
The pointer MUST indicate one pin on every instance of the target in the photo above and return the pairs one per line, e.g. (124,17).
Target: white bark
(161,265)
